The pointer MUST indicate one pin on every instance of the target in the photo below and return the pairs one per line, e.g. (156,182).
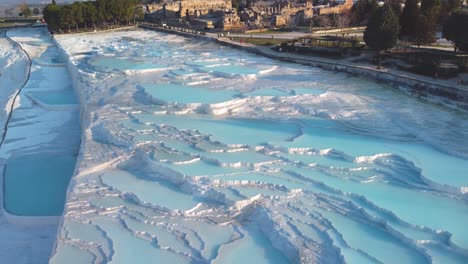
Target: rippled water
(199,153)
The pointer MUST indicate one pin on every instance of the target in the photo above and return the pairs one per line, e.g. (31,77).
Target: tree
(382,30)
(364,9)
(77,14)
(36,11)
(447,8)
(51,15)
(138,13)
(66,17)
(102,14)
(430,5)
(249,3)
(408,20)
(323,21)
(343,20)
(235,4)
(455,30)
(396,6)
(25,10)
(82,14)
(89,14)
(454,5)
(426,24)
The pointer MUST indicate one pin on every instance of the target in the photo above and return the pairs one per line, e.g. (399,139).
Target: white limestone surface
(35,129)
(14,67)
(198,153)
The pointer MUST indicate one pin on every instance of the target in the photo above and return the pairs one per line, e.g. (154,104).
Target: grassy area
(282,30)
(302,29)
(261,41)
(277,41)
(438,45)
(269,31)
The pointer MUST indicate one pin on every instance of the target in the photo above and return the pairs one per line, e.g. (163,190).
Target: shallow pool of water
(36,185)
(56,97)
(178,93)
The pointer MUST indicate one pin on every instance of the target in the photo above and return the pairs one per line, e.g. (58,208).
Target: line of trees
(99,13)
(415,24)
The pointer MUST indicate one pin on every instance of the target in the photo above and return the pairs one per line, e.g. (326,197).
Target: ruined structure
(231,21)
(293,14)
(202,14)
(208,14)
(189,8)
(339,9)
(197,8)
(283,13)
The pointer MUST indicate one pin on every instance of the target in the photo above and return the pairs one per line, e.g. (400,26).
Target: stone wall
(196,8)
(284,13)
(280,20)
(190,8)
(231,22)
(346,7)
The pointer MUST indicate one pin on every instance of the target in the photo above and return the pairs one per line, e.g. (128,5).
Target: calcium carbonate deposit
(39,143)
(193,152)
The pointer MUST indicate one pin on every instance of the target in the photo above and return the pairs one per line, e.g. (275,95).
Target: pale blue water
(308,91)
(156,192)
(58,97)
(254,247)
(201,168)
(232,69)
(131,249)
(268,92)
(373,240)
(229,131)
(122,64)
(72,255)
(35,185)
(177,93)
(313,166)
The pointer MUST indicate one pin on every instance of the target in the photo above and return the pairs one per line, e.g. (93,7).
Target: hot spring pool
(35,185)
(59,97)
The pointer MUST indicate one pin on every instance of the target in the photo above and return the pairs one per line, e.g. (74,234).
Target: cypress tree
(77,13)
(382,30)
(364,9)
(426,25)
(408,19)
(449,6)
(396,6)
(455,30)
(51,15)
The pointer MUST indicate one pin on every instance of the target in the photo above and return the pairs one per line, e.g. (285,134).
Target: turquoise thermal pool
(36,185)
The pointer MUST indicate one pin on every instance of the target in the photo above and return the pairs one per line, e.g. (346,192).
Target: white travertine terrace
(197,153)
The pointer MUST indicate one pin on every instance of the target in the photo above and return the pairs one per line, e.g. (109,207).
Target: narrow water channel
(38,151)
